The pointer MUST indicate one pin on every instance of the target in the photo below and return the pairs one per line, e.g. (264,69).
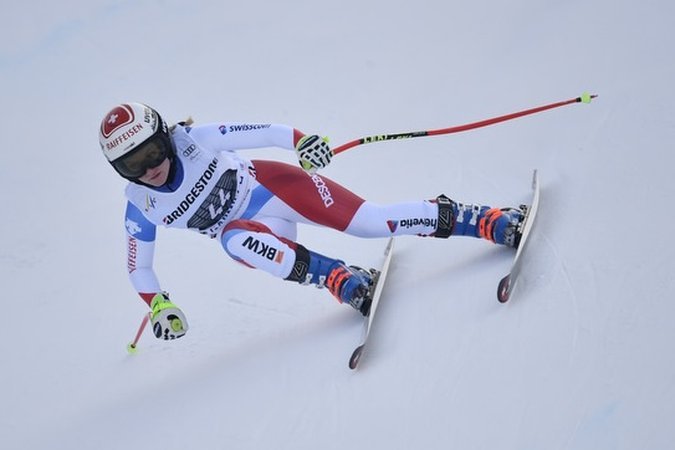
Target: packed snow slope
(581,359)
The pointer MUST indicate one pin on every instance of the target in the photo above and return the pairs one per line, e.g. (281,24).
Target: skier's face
(157,176)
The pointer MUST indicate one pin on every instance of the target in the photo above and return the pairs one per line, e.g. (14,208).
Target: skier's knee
(254,245)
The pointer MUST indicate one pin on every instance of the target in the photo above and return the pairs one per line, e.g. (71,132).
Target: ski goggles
(148,155)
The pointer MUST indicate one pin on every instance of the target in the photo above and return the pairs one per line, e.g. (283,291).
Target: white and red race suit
(252,207)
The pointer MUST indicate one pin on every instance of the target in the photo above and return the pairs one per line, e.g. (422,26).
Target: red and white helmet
(125,129)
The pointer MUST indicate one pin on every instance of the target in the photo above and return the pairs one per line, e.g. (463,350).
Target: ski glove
(168,321)
(313,153)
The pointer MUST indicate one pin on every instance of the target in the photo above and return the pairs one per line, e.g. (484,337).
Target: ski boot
(352,285)
(348,284)
(501,226)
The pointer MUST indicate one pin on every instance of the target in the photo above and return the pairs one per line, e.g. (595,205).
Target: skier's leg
(255,245)
(313,198)
(441,217)
(264,236)
(322,201)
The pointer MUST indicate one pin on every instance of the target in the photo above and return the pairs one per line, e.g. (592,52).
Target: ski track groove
(574,296)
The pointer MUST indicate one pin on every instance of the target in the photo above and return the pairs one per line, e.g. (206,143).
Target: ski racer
(194,177)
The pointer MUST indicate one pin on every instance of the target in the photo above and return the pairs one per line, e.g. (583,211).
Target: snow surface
(581,359)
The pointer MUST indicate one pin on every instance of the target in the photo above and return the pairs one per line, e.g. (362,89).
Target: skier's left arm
(313,151)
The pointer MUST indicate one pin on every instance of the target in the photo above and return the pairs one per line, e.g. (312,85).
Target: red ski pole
(131,347)
(584,98)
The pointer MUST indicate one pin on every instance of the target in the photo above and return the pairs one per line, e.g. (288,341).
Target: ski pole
(584,98)
(131,347)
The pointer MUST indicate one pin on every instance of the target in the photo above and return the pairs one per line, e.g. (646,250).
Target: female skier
(192,177)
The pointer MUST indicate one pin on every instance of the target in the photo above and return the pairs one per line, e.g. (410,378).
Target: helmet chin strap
(173,169)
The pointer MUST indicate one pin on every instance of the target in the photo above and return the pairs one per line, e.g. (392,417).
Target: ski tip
(356,357)
(535,178)
(504,291)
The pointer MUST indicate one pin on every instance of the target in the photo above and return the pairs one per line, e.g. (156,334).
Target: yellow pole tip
(586,97)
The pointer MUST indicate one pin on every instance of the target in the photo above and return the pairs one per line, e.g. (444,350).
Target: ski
(378,285)
(508,283)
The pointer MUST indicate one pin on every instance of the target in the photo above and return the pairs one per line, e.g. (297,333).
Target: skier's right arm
(168,321)
(141,235)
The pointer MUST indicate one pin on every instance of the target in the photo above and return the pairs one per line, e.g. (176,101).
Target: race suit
(251,207)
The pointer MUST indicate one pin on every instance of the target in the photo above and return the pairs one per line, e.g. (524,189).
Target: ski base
(377,293)
(508,283)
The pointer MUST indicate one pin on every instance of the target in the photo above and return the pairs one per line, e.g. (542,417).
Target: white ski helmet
(130,128)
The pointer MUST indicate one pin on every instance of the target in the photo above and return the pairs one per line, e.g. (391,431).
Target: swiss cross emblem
(120,115)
